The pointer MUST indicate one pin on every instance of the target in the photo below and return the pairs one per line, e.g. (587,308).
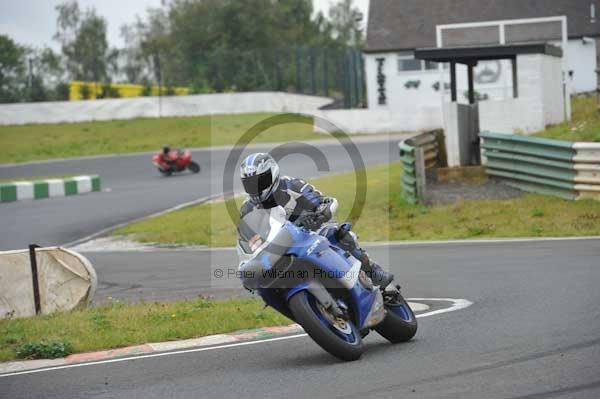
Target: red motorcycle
(175,161)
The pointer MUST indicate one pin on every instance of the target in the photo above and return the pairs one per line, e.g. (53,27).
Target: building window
(407,62)
(429,65)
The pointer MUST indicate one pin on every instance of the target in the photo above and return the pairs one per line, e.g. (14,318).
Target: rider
(167,156)
(259,173)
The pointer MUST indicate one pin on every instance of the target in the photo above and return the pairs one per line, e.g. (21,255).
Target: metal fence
(330,72)
(554,167)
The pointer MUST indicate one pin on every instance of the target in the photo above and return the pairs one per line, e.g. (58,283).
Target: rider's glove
(313,198)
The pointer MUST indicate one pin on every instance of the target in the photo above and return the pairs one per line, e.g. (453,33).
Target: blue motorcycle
(309,278)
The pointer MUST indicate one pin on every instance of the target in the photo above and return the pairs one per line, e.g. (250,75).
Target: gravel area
(447,193)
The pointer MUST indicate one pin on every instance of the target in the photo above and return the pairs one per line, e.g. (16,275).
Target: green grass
(387,217)
(117,324)
(584,125)
(21,143)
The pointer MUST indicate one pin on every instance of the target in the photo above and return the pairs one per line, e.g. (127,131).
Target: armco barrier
(429,143)
(561,168)
(408,181)
(417,154)
(19,190)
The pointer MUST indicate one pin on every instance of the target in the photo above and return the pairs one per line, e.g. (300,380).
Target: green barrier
(20,190)
(531,164)
(8,193)
(70,187)
(409,173)
(40,190)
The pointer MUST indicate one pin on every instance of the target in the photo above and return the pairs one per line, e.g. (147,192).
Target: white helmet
(260,175)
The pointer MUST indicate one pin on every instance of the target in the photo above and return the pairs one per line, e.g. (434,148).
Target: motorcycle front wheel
(400,323)
(338,337)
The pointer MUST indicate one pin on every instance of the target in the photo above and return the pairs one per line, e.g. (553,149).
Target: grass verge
(387,217)
(117,324)
(584,124)
(63,140)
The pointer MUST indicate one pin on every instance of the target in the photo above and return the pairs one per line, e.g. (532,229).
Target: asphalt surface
(532,332)
(133,188)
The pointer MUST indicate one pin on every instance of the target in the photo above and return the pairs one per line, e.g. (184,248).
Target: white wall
(129,108)
(493,78)
(552,91)
(540,102)
(540,99)
(582,61)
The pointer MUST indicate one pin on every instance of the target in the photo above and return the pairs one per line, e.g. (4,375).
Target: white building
(400,85)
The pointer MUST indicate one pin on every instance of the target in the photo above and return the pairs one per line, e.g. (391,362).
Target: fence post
(346,81)
(299,88)
(356,75)
(278,69)
(35,280)
(313,81)
(325,73)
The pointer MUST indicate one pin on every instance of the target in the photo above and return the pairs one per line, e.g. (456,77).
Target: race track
(533,331)
(132,188)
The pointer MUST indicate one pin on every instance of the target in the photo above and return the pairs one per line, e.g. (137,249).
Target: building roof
(472,54)
(408,24)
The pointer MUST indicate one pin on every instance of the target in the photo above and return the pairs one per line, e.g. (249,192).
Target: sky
(33,22)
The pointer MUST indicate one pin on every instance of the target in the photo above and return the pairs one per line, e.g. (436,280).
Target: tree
(223,45)
(82,36)
(12,70)
(345,22)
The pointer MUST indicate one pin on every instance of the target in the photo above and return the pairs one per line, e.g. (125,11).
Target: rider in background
(259,173)
(169,156)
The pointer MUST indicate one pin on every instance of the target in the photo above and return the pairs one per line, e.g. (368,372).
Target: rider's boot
(378,276)
(347,240)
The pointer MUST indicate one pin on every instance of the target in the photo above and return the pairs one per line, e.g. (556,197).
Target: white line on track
(457,304)
(477,241)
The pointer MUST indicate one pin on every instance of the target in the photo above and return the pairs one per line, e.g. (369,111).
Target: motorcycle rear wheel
(343,342)
(194,167)
(400,323)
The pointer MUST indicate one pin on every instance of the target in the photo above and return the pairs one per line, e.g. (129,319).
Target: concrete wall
(129,108)
(381,120)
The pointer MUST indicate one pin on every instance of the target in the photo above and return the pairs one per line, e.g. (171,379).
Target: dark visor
(256,184)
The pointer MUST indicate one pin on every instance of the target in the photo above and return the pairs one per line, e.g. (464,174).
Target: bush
(146,90)
(43,350)
(85,92)
(61,92)
(109,91)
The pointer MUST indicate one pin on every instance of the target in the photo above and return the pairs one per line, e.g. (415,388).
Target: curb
(21,190)
(218,339)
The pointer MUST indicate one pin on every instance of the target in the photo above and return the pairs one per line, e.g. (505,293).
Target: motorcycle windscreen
(256,184)
(256,227)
